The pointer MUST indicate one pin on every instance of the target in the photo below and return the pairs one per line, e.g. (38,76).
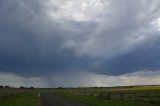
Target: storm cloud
(60,38)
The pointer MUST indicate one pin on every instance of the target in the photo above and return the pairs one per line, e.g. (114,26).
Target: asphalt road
(53,100)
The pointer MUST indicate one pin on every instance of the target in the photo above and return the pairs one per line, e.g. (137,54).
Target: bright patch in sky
(81,10)
(156,23)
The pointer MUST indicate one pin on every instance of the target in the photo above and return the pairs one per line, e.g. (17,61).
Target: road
(53,100)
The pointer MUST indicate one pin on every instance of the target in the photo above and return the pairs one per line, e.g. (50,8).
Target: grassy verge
(22,99)
(140,88)
(95,101)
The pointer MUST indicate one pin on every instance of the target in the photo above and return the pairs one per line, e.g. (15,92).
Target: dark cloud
(146,56)
(41,38)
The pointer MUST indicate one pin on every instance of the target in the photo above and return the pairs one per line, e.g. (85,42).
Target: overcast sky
(70,43)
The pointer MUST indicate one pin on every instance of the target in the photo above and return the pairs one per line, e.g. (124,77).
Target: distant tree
(21,87)
(131,87)
(1,86)
(7,86)
(60,88)
(31,87)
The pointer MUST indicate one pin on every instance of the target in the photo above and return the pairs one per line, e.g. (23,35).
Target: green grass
(135,88)
(96,101)
(22,99)
(114,89)
(140,88)
(150,94)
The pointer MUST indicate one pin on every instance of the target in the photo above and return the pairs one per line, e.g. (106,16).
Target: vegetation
(97,96)
(114,96)
(96,101)
(29,98)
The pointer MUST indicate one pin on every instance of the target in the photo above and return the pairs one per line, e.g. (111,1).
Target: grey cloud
(43,37)
(83,78)
(146,56)
(15,80)
(111,34)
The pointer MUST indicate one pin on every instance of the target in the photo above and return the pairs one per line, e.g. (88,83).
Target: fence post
(121,96)
(109,95)
(135,96)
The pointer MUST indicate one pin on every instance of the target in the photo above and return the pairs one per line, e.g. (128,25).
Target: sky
(84,43)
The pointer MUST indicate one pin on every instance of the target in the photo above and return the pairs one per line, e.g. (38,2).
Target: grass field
(9,91)
(27,98)
(116,96)
(95,96)
(95,101)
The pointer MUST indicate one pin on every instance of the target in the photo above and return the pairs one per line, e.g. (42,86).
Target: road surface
(53,100)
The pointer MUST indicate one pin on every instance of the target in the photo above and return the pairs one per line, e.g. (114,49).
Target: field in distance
(114,96)
(93,96)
